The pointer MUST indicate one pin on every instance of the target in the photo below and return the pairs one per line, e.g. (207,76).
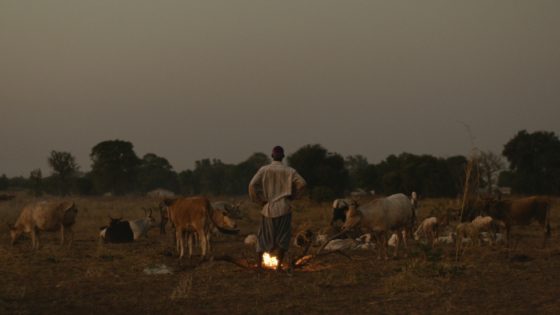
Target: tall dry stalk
(470,189)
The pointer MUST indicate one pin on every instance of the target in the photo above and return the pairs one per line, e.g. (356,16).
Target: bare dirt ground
(93,278)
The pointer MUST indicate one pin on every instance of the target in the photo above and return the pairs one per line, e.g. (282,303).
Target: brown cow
(192,215)
(45,216)
(521,212)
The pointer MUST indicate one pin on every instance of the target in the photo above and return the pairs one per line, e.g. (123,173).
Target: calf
(428,228)
(489,225)
(45,216)
(196,215)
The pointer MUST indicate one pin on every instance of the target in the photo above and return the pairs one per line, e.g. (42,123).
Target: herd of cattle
(196,218)
(396,214)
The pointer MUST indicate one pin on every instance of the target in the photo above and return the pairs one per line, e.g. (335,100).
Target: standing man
(274,186)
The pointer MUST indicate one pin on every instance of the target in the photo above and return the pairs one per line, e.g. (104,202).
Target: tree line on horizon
(534,168)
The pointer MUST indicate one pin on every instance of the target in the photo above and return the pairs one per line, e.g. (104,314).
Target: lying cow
(192,215)
(521,212)
(45,216)
(120,231)
(232,209)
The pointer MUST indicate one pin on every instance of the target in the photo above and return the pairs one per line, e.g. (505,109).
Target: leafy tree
(490,164)
(324,171)
(115,167)
(188,185)
(84,184)
(156,172)
(217,178)
(64,168)
(361,174)
(210,177)
(425,174)
(456,166)
(535,162)
(244,171)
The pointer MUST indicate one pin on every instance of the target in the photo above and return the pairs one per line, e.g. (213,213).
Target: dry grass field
(93,278)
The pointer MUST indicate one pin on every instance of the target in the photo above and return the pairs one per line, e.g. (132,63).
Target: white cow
(394,213)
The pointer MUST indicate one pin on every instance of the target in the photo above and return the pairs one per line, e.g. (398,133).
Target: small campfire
(269,262)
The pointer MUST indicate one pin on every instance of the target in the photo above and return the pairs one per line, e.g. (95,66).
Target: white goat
(429,229)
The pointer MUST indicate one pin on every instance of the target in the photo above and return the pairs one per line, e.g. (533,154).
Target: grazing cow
(521,212)
(394,213)
(196,215)
(45,216)
(119,231)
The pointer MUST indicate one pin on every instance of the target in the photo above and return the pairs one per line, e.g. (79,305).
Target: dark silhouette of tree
(362,175)
(64,169)
(456,166)
(490,165)
(156,172)
(4,182)
(534,160)
(36,182)
(425,174)
(115,167)
(211,177)
(324,171)
(244,171)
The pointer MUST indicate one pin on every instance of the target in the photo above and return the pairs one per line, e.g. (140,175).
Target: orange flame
(270,262)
